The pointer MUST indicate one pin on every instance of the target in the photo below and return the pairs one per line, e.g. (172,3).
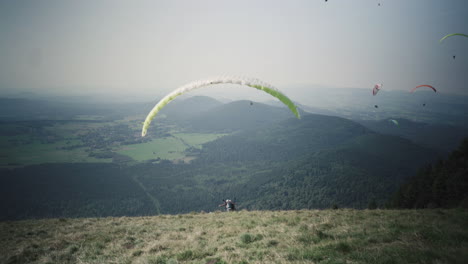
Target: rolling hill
(236,116)
(445,138)
(269,160)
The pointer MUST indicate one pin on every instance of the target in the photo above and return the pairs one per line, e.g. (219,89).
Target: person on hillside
(230,205)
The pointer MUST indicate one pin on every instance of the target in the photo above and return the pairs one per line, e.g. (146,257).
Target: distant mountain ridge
(236,116)
(187,108)
(445,138)
(286,138)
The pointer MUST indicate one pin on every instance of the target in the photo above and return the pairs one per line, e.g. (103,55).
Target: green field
(164,148)
(170,148)
(305,236)
(37,153)
(47,144)
(196,139)
(27,144)
(89,117)
(72,129)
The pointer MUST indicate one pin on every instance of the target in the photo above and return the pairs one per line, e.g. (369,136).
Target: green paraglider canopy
(254,83)
(453,34)
(394,121)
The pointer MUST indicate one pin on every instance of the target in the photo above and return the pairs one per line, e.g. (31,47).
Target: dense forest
(262,157)
(316,162)
(445,138)
(442,184)
(70,190)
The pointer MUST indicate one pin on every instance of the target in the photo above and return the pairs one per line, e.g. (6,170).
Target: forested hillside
(70,190)
(445,138)
(316,162)
(235,116)
(441,184)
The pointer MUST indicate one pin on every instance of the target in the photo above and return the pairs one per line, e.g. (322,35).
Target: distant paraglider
(254,83)
(423,85)
(376,88)
(453,34)
(394,121)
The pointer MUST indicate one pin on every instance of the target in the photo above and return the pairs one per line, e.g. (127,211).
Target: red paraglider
(376,88)
(423,85)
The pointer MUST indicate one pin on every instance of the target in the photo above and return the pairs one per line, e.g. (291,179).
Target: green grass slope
(305,236)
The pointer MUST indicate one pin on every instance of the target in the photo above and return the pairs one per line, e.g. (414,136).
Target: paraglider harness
(230,205)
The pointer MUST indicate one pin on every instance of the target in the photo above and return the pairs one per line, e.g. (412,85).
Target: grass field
(30,147)
(171,148)
(164,148)
(306,236)
(72,129)
(38,153)
(196,139)
(26,148)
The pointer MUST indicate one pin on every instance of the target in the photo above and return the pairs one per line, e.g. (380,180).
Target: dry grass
(306,236)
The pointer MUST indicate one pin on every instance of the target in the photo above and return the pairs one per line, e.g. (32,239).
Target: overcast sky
(146,47)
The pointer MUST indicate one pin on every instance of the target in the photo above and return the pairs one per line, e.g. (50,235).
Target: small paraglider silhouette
(376,88)
(251,103)
(423,85)
(453,56)
(376,106)
(394,121)
(379,4)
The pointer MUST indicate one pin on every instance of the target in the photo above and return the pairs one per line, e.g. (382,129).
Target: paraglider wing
(423,85)
(254,83)
(453,34)
(276,93)
(376,89)
(394,121)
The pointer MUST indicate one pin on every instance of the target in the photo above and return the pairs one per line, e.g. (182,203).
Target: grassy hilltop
(304,236)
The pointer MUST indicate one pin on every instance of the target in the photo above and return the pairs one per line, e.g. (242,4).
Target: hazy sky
(147,47)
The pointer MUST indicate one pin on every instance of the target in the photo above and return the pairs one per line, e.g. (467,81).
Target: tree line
(441,184)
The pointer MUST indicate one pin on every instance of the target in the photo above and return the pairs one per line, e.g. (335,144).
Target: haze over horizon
(152,47)
(110,152)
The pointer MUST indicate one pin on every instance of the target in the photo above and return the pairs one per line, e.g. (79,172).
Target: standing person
(230,205)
